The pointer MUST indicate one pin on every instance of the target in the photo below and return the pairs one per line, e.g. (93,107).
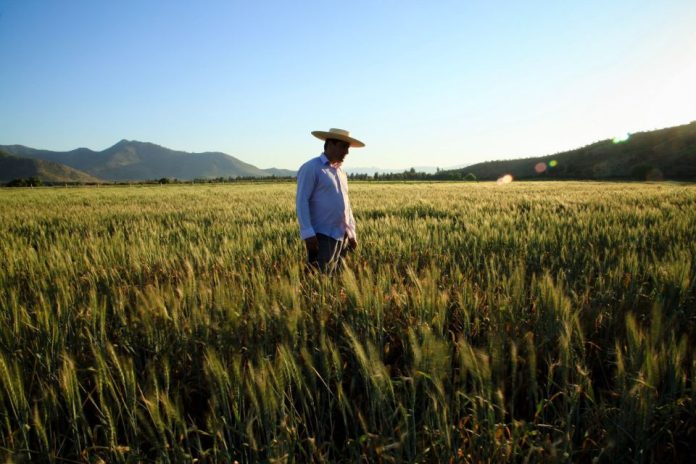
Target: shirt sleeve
(350,229)
(305,187)
(350,220)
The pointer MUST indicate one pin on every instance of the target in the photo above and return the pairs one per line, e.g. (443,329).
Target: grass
(529,322)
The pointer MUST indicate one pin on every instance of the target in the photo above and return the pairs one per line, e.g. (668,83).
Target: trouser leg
(330,254)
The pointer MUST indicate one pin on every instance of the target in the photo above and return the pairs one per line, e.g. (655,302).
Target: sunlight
(621,138)
(506,179)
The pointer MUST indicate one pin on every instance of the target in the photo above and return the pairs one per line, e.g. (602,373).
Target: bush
(25,182)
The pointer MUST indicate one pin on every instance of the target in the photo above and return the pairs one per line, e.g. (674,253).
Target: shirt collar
(326,161)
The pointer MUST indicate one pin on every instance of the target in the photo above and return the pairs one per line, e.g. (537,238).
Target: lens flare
(540,167)
(553,163)
(621,138)
(506,179)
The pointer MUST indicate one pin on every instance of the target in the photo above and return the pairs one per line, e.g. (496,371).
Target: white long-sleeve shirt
(322,200)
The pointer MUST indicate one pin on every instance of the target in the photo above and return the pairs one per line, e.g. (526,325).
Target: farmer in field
(323,209)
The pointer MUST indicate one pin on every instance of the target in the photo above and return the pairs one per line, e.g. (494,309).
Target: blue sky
(438,83)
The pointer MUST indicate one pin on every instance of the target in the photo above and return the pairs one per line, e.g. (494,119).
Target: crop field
(476,322)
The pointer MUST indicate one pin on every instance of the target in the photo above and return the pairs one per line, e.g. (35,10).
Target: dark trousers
(329,257)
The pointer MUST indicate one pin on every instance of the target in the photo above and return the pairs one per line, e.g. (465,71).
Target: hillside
(12,167)
(278,172)
(136,161)
(661,154)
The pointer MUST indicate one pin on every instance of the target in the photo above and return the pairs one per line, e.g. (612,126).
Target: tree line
(411,174)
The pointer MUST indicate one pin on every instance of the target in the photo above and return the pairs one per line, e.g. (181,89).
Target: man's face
(336,150)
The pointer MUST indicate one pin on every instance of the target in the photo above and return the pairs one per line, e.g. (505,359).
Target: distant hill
(280,172)
(12,167)
(137,161)
(661,154)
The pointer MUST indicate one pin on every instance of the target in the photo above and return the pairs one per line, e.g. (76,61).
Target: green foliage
(542,322)
(25,182)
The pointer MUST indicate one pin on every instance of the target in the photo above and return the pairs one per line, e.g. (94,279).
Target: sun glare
(621,138)
(506,179)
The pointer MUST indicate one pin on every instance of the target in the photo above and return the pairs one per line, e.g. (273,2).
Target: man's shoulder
(312,163)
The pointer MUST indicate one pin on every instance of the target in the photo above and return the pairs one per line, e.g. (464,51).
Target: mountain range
(12,167)
(660,154)
(134,161)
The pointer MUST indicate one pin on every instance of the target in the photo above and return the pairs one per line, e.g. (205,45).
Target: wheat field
(476,322)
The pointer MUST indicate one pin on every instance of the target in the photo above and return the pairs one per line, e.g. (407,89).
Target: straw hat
(338,134)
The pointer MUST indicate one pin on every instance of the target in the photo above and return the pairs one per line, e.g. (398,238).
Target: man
(323,209)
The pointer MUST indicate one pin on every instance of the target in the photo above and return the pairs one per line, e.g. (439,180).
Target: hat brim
(323,135)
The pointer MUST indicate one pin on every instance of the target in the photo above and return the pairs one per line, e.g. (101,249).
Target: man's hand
(352,244)
(312,244)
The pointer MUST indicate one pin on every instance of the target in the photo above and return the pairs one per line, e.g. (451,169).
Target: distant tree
(640,172)
(25,182)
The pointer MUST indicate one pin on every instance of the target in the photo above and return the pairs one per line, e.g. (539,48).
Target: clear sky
(422,83)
